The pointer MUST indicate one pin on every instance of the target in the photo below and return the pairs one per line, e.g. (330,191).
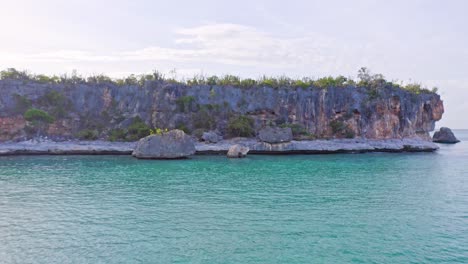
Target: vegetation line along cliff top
(127,109)
(366,79)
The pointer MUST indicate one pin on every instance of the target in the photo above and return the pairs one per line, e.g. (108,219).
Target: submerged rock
(174,144)
(275,134)
(237,151)
(445,135)
(211,137)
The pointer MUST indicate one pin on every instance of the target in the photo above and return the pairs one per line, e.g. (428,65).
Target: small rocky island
(98,115)
(445,136)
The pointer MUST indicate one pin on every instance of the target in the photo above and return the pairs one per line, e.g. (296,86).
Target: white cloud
(229,44)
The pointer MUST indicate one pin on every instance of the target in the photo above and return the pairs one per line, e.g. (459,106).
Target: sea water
(341,208)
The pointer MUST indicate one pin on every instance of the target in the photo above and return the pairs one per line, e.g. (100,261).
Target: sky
(405,40)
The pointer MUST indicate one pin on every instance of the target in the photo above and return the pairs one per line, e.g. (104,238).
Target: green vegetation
(185,103)
(229,80)
(57,103)
(88,134)
(416,88)
(22,103)
(203,119)
(158,131)
(36,115)
(373,82)
(297,129)
(39,121)
(117,134)
(341,128)
(337,126)
(12,73)
(240,126)
(137,130)
(183,127)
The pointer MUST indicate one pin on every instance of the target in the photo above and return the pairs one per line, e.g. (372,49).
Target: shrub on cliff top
(366,79)
(12,73)
(240,126)
(36,115)
(417,88)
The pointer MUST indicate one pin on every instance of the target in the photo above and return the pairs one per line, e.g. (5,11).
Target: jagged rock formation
(103,110)
(237,151)
(445,135)
(174,144)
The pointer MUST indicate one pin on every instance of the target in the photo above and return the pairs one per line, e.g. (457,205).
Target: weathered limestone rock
(11,128)
(174,144)
(445,135)
(211,137)
(237,151)
(275,134)
(392,113)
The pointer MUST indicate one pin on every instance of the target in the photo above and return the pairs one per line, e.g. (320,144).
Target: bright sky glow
(423,41)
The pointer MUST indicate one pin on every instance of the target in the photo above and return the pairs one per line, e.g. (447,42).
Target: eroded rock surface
(445,135)
(237,151)
(211,137)
(333,112)
(174,144)
(275,134)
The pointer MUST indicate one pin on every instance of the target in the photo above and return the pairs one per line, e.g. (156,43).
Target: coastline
(256,147)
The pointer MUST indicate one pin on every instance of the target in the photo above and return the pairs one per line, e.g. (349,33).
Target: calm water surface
(350,208)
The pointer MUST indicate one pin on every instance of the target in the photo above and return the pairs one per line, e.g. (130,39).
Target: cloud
(229,44)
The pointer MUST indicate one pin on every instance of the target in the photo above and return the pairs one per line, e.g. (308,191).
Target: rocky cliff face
(338,112)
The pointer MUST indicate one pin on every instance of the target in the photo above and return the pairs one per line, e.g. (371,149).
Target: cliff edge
(126,112)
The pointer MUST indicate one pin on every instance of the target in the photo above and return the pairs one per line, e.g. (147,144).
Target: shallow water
(342,208)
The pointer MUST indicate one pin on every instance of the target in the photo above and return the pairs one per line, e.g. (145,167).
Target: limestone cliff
(350,111)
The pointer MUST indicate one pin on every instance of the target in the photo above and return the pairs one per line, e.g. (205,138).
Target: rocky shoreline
(256,147)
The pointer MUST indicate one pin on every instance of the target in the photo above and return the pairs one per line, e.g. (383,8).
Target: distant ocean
(340,208)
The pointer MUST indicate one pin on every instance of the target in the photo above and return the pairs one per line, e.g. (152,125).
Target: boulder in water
(237,151)
(174,144)
(445,135)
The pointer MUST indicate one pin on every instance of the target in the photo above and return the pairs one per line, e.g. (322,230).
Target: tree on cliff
(38,121)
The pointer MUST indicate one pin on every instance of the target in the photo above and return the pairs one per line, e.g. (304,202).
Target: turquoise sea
(343,208)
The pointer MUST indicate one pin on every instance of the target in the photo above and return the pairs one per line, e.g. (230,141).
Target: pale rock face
(174,144)
(392,114)
(211,137)
(237,151)
(275,134)
(445,135)
(12,128)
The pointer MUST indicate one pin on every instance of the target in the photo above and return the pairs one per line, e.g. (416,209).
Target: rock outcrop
(321,146)
(48,147)
(174,144)
(275,134)
(108,108)
(237,151)
(211,137)
(445,135)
